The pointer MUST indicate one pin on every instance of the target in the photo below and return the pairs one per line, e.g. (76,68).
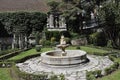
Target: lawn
(5,74)
(89,49)
(27,53)
(6,71)
(114,76)
(117,60)
(33,51)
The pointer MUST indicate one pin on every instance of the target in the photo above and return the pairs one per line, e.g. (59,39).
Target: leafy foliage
(98,39)
(109,16)
(23,21)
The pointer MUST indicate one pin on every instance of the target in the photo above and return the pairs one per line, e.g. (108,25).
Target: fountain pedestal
(62,47)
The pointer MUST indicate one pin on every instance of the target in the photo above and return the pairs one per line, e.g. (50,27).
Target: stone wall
(80,41)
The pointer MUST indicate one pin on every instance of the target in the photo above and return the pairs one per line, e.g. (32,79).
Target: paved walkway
(77,72)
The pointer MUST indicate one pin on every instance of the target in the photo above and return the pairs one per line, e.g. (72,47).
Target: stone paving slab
(71,73)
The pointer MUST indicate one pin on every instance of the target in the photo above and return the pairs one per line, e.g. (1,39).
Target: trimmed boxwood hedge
(4,57)
(56,34)
(41,76)
(26,58)
(92,75)
(5,64)
(7,51)
(112,68)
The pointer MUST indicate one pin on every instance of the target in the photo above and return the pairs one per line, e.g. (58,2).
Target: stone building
(55,22)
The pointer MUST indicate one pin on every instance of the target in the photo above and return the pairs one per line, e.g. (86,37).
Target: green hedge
(40,76)
(38,48)
(112,68)
(98,53)
(98,39)
(56,34)
(26,58)
(4,57)
(7,51)
(25,21)
(92,75)
(5,64)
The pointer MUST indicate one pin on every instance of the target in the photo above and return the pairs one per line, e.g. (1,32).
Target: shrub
(56,34)
(108,71)
(26,58)
(78,47)
(6,64)
(50,34)
(75,35)
(111,57)
(7,51)
(47,43)
(92,75)
(44,42)
(11,54)
(54,77)
(112,68)
(37,38)
(97,73)
(98,39)
(67,40)
(109,43)
(53,39)
(62,77)
(38,48)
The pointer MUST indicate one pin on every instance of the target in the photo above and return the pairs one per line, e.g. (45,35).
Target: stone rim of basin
(69,55)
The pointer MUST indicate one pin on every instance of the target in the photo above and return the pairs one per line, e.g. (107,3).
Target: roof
(23,5)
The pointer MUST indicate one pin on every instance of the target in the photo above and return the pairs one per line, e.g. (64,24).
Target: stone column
(48,19)
(26,42)
(60,22)
(56,22)
(63,22)
(51,21)
(20,42)
(93,22)
(13,42)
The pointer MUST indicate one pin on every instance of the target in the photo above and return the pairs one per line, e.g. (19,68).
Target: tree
(110,20)
(73,11)
(21,24)
(54,6)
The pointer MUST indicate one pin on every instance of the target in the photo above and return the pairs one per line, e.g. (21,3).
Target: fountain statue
(63,45)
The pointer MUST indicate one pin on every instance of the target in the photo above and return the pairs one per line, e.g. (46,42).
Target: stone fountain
(63,57)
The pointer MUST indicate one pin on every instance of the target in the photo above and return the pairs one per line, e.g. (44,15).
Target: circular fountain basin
(73,57)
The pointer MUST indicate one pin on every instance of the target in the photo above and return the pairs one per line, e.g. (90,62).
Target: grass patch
(33,51)
(114,76)
(89,50)
(5,74)
(117,60)
(28,53)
